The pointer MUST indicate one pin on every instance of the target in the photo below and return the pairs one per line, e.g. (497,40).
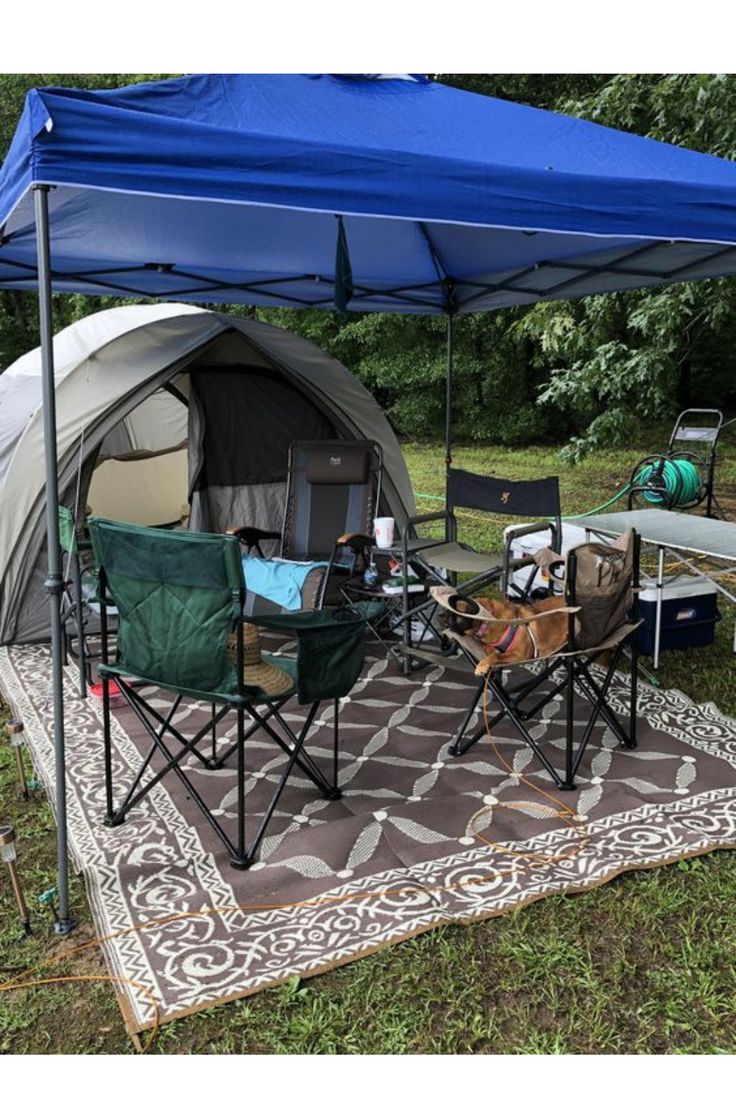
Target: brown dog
(513,643)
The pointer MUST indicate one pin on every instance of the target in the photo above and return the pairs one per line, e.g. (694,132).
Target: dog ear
(459,608)
(458,603)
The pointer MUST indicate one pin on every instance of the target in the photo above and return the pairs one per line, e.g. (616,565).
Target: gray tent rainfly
(416,197)
(141,382)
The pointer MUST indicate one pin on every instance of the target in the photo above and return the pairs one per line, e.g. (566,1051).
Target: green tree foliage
(617,360)
(580,372)
(18,310)
(402,363)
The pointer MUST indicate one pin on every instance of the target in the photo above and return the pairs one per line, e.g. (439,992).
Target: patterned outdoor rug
(396,856)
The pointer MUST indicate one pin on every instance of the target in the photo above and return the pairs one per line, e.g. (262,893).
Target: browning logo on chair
(505,496)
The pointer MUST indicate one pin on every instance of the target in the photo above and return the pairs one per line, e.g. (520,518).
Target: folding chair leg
(508,709)
(242,855)
(241,861)
(456,747)
(596,695)
(335,747)
(80,630)
(167,727)
(214,763)
(406,628)
(569,783)
(222,757)
(634,697)
(124,804)
(304,761)
(64,645)
(525,689)
(138,705)
(249,859)
(107,745)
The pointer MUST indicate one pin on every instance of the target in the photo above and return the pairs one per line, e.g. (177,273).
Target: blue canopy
(226,188)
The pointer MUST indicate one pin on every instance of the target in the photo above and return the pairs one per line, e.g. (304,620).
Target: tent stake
(54,583)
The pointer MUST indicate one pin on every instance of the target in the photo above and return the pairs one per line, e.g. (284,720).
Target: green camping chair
(180,597)
(74,608)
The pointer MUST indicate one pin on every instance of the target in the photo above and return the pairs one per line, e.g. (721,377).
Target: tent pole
(54,583)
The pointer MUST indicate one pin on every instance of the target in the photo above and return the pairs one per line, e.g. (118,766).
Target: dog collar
(505,640)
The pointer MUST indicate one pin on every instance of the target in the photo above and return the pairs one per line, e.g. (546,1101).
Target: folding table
(675,533)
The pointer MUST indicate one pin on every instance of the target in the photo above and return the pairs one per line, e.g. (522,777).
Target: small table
(672,532)
(354,590)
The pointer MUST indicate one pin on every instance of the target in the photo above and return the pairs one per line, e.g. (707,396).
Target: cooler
(689,614)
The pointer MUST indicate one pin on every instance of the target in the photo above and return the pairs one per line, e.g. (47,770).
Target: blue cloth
(280,581)
(510,202)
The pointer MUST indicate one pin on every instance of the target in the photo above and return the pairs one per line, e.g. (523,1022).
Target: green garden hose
(600,509)
(669,481)
(662,481)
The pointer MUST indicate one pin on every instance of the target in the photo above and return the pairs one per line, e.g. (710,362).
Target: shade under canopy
(226,187)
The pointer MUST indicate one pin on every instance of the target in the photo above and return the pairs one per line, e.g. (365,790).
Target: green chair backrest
(67,532)
(178,599)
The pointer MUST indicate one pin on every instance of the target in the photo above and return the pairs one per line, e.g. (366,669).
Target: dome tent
(142,382)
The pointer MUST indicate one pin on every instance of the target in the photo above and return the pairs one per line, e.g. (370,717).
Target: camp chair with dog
(601,583)
(439,561)
(180,598)
(332,495)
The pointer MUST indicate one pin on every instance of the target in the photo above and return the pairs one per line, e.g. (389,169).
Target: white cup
(383,531)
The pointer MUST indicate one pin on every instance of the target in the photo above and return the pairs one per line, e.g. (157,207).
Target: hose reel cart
(682,478)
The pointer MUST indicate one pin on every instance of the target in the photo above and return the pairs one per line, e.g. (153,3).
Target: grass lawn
(644,964)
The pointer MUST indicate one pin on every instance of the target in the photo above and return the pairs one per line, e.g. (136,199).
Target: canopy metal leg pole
(448,412)
(54,582)
(448,395)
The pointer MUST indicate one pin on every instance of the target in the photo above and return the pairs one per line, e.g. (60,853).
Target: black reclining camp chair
(601,584)
(332,495)
(180,599)
(440,561)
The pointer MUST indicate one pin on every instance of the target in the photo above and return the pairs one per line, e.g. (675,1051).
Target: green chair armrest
(311,620)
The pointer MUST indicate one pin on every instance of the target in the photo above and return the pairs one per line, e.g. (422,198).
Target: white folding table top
(680,531)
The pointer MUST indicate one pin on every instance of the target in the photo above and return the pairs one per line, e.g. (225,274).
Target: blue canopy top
(226,188)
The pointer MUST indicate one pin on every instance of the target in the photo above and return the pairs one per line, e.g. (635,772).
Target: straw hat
(269,678)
